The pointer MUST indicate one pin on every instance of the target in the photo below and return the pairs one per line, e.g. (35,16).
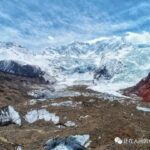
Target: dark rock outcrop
(102,73)
(142,89)
(108,69)
(16,68)
(69,142)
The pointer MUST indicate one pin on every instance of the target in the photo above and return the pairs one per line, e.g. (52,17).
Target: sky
(43,23)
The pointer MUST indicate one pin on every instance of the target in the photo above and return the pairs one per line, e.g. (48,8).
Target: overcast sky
(41,23)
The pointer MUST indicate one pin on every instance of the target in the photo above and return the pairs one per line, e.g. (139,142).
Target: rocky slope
(142,89)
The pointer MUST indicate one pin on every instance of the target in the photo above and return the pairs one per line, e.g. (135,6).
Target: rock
(17,68)
(142,89)
(8,115)
(108,69)
(76,142)
(102,72)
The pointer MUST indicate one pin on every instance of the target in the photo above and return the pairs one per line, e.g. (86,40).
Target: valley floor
(103,120)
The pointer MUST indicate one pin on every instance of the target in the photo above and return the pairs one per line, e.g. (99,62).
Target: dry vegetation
(102,119)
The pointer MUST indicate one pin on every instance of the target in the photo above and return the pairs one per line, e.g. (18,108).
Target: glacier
(105,65)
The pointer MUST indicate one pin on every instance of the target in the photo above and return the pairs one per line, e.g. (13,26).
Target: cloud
(138,38)
(51,38)
(37,24)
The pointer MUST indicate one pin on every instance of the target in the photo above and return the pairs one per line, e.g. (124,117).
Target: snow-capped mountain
(11,51)
(15,59)
(112,60)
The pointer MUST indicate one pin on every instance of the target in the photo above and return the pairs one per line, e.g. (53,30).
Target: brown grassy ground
(102,119)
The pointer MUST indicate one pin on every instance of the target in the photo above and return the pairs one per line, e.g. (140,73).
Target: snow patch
(70,124)
(43,94)
(145,109)
(9,115)
(110,88)
(40,114)
(82,139)
(19,148)
(64,104)
(14,115)
(32,101)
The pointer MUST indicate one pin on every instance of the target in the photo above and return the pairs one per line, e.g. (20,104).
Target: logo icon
(118,140)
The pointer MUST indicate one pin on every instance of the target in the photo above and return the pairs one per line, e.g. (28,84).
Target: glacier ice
(39,114)
(123,62)
(9,115)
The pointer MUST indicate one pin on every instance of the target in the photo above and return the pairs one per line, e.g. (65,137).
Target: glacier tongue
(114,62)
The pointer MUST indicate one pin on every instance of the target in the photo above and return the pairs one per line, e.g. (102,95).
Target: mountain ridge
(71,63)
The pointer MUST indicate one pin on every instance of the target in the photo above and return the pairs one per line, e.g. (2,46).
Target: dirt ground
(102,119)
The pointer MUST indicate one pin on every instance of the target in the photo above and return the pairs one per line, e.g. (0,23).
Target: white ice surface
(65,104)
(35,115)
(82,139)
(145,109)
(62,147)
(110,88)
(70,124)
(19,148)
(14,115)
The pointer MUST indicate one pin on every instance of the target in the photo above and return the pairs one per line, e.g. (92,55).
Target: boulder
(77,142)
(8,115)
